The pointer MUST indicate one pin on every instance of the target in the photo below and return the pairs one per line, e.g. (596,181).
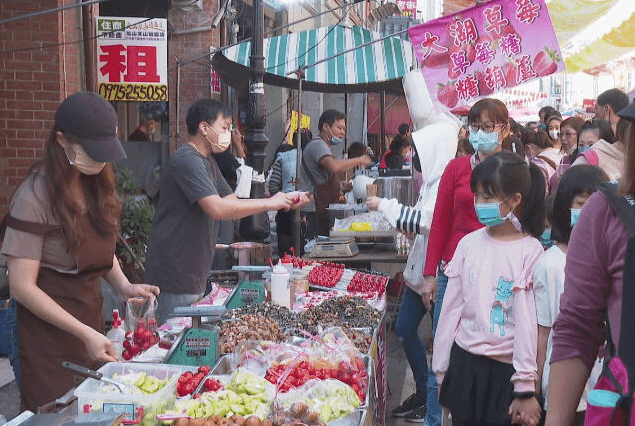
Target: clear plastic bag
(329,399)
(141,312)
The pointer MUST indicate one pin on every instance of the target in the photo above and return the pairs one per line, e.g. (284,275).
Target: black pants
(457,422)
(285,228)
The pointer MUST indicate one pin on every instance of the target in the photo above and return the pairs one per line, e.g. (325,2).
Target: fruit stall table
(340,311)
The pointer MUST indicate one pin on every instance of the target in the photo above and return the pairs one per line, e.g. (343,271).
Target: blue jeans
(434,415)
(410,315)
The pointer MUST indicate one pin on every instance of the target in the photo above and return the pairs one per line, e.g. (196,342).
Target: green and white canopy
(382,63)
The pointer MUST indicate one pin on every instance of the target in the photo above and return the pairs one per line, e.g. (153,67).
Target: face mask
(545,238)
(582,149)
(554,134)
(489,214)
(484,142)
(575,214)
(334,139)
(82,161)
(224,140)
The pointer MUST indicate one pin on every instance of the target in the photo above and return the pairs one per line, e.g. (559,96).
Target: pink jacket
(489,308)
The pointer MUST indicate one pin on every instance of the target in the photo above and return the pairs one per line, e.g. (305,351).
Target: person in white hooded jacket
(436,145)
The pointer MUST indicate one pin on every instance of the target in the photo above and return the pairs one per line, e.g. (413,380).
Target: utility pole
(256,227)
(255,138)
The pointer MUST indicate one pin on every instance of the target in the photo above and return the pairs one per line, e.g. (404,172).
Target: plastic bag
(328,399)
(141,325)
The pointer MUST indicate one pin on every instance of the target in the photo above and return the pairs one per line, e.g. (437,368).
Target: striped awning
(383,61)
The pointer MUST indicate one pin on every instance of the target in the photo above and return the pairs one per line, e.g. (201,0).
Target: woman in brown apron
(60,238)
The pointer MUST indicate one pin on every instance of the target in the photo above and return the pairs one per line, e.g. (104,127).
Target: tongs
(87,372)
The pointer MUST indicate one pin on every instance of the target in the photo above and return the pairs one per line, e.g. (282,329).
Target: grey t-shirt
(311,155)
(183,236)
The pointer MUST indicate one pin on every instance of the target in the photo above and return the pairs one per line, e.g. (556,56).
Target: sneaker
(413,402)
(417,415)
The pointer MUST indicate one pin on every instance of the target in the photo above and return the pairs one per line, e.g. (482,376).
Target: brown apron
(325,194)
(42,346)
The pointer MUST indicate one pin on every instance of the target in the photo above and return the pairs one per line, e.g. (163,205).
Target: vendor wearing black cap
(60,239)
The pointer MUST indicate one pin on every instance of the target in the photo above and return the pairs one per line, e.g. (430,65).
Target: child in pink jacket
(485,345)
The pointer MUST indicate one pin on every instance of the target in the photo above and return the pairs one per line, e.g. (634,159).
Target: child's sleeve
(450,316)
(525,330)
(541,284)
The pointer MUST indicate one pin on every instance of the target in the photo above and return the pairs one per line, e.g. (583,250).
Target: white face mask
(554,134)
(224,140)
(81,161)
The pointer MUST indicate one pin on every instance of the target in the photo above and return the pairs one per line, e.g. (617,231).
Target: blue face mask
(489,214)
(575,214)
(545,238)
(336,141)
(484,142)
(582,149)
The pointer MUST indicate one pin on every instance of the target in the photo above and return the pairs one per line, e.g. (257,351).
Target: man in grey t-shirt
(193,198)
(320,171)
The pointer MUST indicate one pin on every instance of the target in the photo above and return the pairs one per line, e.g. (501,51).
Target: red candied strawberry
(511,73)
(448,94)
(483,90)
(546,62)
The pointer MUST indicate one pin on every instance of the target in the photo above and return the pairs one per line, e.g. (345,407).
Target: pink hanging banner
(482,50)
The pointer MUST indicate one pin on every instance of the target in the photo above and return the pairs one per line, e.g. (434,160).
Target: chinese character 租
(463,31)
(494,17)
(526,11)
(467,87)
(510,45)
(483,52)
(142,64)
(115,60)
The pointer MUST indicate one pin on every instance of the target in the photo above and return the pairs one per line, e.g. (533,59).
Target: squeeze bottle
(280,290)
(117,334)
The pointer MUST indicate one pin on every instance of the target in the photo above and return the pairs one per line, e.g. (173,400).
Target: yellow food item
(361,227)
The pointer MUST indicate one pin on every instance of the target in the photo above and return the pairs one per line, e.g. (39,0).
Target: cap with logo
(92,121)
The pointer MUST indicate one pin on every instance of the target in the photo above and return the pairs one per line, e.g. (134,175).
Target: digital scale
(198,345)
(326,247)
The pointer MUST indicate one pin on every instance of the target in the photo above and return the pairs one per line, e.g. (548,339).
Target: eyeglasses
(486,127)
(569,134)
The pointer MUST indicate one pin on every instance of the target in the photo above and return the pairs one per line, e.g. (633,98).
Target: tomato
(204,369)
(126,355)
(189,388)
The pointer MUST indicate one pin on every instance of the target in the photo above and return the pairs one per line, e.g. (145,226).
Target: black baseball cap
(93,122)
(628,112)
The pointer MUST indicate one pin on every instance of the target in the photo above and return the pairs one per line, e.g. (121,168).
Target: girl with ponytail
(485,345)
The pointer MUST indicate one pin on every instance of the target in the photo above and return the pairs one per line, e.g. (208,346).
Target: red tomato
(204,369)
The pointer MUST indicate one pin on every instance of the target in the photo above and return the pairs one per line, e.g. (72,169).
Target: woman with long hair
(60,238)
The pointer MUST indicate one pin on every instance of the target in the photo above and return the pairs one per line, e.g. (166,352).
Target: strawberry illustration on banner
(486,49)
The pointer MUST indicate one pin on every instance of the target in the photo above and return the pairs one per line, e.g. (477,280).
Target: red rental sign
(482,50)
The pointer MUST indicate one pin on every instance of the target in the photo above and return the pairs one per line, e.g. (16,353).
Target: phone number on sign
(133,92)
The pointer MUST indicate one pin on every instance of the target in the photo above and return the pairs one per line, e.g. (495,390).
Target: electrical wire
(81,40)
(46,11)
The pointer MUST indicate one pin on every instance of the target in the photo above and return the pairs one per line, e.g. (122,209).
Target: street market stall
(320,363)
